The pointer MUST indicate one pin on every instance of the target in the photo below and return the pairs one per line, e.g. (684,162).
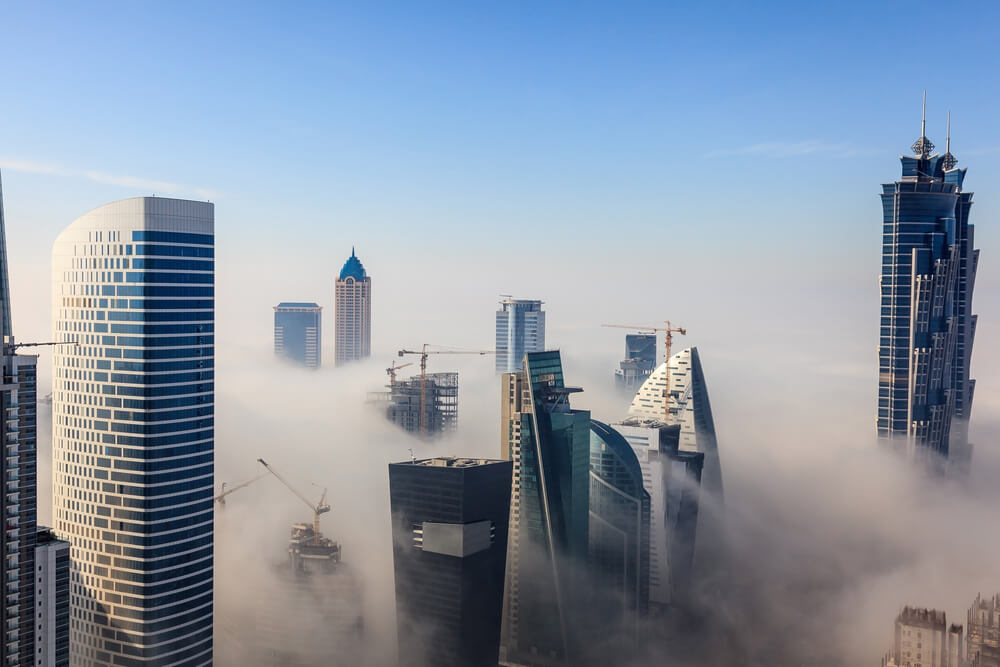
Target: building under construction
(402,403)
(984,632)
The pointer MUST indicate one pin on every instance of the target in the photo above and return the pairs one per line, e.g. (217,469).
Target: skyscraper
(133,440)
(549,443)
(52,594)
(689,407)
(449,529)
(18,426)
(618,537)
(673,479)
(352,312)
(298,333)
(927,326)
(520,329)
(923,638)
(639,361)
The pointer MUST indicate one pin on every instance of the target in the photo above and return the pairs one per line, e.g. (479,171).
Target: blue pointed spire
(353,268)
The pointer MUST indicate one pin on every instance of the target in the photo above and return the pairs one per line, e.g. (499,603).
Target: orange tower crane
(423,375)
(391,371)
(668,341)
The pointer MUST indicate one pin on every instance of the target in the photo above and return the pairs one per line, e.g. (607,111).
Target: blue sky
(741,145)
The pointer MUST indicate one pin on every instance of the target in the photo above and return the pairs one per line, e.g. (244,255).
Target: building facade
(520,328)
(133,432)
(923,638)
(449,528)
(352,312)
(436,414)
(927,327)
(638,364)
(18,426)
(52,594)
(549,445)
(298,333)
(984,632)
(672,478)
(619,532)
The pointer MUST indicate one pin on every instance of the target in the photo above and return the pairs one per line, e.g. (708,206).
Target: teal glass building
(927,327)
(549,444)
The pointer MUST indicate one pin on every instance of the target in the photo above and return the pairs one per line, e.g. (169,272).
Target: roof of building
(922,618)
(298,304)
(353,268)
(450,462)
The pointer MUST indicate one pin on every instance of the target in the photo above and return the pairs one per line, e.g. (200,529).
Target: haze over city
(717,165)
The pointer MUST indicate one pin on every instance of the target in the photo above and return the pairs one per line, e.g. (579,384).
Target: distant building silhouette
(449,529)
(298,333)
(520,328)
(639,361)
(352,312)
(927,327)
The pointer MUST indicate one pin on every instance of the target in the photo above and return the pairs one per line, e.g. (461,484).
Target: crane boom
(221,498)
(320,508)
(423,375)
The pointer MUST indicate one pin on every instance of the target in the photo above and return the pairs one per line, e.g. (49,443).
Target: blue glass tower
(520,328)
(133,439)
(298,333)
(927,327)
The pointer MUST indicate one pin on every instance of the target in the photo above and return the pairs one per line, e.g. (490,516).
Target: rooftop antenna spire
(948,161)
(922,147)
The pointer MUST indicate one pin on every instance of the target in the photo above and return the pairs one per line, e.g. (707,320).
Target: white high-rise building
(133,439)
(689,407)
(352,325)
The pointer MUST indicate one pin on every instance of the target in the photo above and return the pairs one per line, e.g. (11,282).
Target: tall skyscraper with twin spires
(927,326)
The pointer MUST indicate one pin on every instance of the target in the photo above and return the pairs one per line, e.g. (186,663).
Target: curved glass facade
(133,438)
(618,554)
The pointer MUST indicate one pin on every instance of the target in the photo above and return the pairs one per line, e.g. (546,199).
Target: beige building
(924,639)
(352,312)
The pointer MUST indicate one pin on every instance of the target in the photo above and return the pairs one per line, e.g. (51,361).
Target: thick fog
(829,536)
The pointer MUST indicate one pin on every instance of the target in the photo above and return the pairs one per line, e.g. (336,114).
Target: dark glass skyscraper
(449,529)
(298,333)
(549,443)
(18,430)
(927,326)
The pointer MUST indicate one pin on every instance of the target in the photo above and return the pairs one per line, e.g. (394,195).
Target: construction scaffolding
(402,403)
